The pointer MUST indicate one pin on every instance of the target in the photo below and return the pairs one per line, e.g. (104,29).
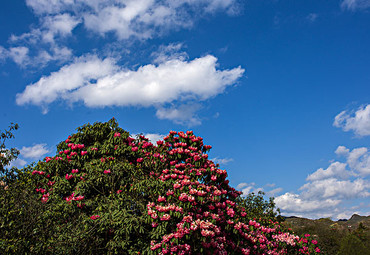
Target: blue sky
(280,89)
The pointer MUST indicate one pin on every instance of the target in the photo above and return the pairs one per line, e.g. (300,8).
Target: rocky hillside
(336,237)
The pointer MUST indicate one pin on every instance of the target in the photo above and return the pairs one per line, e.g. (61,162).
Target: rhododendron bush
(108,193)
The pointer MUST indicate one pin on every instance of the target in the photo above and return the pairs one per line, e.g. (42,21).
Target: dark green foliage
(94,197)
(7,155)
(257,207)
(352,245)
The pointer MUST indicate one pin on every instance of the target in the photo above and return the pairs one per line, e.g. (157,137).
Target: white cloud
(273,192)
(49,6)
(133,18)
(61,25)
(355,4)
(334,188)
(247,188)
(100,83)
(336,169)
(128,19)
(290,202)
(359,122)
(154,137)
(3,53)
(328,191)
(19,55)
(243,185)
(359,160)
(60,84)
(17,163)
(222,161)
(35,151)
(185,114)
(341,150)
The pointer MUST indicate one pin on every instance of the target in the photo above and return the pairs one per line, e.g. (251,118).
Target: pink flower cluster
(207,208)
(197,203)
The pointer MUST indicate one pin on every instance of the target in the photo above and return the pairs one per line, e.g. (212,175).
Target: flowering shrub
(106,192)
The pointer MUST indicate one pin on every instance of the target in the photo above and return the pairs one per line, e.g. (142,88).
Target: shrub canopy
(105,192)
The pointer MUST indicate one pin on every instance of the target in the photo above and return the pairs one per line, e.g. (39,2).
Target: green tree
(7,155)
(105,192)
(352,245)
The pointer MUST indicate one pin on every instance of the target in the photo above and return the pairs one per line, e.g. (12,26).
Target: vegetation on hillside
(343,237)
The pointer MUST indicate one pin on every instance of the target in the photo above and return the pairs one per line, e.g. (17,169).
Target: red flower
(69,176)
(94,217)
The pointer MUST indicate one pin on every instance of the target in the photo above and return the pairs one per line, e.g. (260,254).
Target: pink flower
(177,185)
(69,176)
(83,153)
(139,160)
(119,191)
(78,198)
(317,249)
(38,172)
(161,199)
(107,171)
(117,134)
(94,217)
(74,171)
(134,149)
(45,198)
(165,217)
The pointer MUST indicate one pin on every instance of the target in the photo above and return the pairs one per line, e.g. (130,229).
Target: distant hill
(350,236)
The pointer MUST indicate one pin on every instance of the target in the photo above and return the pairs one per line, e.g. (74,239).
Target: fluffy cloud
(17,163)
(126,19)
(293,204)
(247,188)
(184,114)
(34,152)
(359,121)
(19,55)
(334,188)
(68,78)
(358,159)
(328,189)
(222,161)
(335,169)
(154,137)
(100,82)
(355,4)
(132,18)
(58,25)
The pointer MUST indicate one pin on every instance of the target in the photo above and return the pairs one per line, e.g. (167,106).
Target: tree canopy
(105,192)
